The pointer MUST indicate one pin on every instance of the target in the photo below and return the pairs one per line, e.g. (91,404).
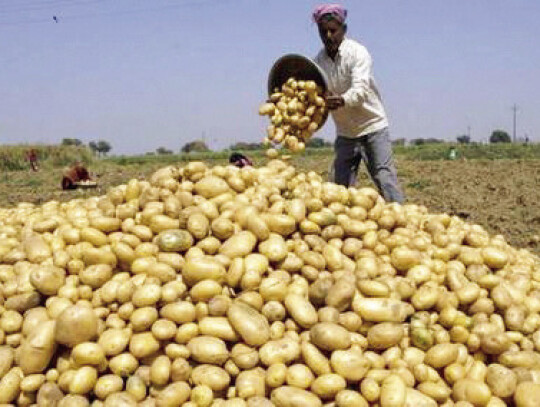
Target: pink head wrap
(336,10)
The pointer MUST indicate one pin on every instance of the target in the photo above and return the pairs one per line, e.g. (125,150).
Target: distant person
(239,160)
(32,157)
(356,106)
(74,174)
(452,153)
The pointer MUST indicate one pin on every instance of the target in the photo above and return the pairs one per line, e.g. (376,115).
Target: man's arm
(361,72)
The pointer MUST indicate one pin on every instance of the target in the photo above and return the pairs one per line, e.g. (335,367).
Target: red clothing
(73,175)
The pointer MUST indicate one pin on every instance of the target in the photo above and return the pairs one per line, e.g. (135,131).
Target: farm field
(501,194)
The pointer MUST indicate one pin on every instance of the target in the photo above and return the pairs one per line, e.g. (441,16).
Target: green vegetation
(100,147)
(500,136)
(471,151)
(195,146)
(14,158)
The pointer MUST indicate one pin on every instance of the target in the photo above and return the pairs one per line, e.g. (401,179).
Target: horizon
(143,76)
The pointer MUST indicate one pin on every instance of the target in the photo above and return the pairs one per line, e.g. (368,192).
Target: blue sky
(144,74)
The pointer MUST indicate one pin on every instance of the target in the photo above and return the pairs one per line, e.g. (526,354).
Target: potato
(250,325)
(350,398)
(527,394)
(107,385)
(88,353)
(49,394)
(283,350)
(350,364)
(76,324)
(473,391)
(198,225)
(211,186)
(238,245)
(414,398)
(96,275)
(288,396)
(37,250)
(160,371)
(382,309)
(38,348)
(251,383)
(143,344)
(121,399)
(83,380)
(393,392)
(274,248)
(114,341)
(174,240)
(47,279)
(341,293)
(261,286)
(501,380)
(385,335)
(72,400)
(256,225)
(330,336)
(441,355)
(301,310)
(212,376)
(315,359)
(328,385)
(23,302)
(300,376)
(206,349)
(202,396)
(6,359)
(123,364)
(203,268)
(10,385)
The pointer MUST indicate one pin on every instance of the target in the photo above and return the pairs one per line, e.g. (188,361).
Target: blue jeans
(376,149)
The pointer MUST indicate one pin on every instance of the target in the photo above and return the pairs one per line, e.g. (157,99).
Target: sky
(148,74)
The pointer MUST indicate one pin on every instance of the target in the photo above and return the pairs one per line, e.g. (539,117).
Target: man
(32,157)
(76,173)
(239,160)
(355,105)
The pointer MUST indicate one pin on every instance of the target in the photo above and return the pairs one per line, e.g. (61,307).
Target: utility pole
(469,132)
(514,109)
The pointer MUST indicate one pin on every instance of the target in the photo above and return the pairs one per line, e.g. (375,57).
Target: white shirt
(350,75)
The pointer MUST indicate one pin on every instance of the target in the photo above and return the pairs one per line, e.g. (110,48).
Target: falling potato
(296,111)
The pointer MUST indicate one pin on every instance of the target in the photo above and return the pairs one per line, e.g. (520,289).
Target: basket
(299,67)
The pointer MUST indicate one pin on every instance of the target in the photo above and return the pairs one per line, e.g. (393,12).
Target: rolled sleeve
(360,82)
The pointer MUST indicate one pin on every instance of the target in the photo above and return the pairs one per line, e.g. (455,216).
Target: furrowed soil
(501,195)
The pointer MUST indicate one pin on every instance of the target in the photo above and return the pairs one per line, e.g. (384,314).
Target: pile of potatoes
(296,111)
(261,287)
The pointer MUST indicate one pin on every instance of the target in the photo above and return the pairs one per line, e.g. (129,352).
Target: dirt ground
(501,195)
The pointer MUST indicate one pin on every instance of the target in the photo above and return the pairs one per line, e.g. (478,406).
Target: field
(494,186)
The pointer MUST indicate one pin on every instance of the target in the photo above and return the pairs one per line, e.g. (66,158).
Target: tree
(100,147)
(463,139)
(420,141)
(71,142)
(104,147)
(195,146)
(499,136)
(398,142)
(317,142)
(241,145)
(163,151)
(94,147)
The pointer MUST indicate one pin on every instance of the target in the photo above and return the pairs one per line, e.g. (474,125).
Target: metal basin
(299,67)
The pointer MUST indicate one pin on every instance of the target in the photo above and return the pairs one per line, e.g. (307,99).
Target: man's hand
(334,102)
